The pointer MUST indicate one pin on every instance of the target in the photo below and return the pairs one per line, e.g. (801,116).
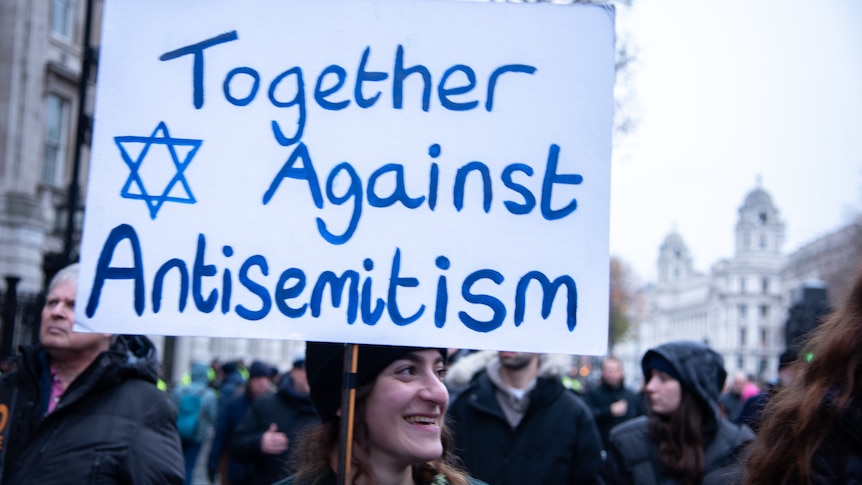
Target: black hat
(260,369)
(787,357)
(325,363)
(658,362)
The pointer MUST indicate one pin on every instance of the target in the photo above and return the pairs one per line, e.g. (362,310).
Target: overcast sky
(726,93)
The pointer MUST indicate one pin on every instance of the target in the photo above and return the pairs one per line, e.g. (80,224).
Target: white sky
(726,92)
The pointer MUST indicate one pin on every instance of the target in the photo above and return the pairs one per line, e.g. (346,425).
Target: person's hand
(211,475)
(620,408)
(273,442)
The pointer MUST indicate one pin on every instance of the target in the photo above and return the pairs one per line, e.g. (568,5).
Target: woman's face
(664,393)
(405,410)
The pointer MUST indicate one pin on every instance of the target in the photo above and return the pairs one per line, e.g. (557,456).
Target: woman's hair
(317,445)
(679,437)
(799,418)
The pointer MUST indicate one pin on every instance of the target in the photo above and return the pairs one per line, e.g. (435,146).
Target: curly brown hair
(799,418)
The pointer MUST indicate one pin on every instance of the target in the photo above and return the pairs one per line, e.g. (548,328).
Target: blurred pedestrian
(684,439)
(611,402)
(196,412)
(517,424)
(266,438)
(221,461)
(752,411)
(399,432)
(730,402)
(87,408)
(812,430)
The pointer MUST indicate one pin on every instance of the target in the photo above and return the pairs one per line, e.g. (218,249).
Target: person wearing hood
(265,436)
(517,424)
(85,405)
(198,409)
(684,438)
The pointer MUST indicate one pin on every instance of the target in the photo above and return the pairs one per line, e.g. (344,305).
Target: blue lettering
(494,304)
(529,198)
(394,282)
(159,280)
(104,270)
(552,178)
(549,292)
(298,99)
(354,191)
(284,292)
(443,92)
(198,65)
(256,288)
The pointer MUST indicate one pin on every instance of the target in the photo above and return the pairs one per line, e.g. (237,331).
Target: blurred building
(41,59)
(737,308)
(741,308)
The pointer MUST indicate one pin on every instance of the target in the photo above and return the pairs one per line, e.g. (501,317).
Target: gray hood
(700,369)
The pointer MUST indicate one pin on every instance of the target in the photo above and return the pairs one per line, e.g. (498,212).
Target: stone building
(738,308)
(41,54)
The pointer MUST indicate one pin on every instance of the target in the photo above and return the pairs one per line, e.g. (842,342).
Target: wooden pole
(348,400)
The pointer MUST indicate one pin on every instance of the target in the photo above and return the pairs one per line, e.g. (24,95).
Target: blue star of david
(177,188)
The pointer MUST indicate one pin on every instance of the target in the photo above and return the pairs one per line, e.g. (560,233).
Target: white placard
(421,173)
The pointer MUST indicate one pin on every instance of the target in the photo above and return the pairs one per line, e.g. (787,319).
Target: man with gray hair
(86,407)
(517,424)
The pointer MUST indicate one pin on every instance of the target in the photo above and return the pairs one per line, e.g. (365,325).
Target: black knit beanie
(324,364)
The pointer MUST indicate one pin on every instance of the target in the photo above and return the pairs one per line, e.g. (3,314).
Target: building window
(764,311)
(762,241)
(742,336)
(764,364)
(743,310)
(763,336)
(740,362)
(62,16)
(742,284)
(56,129)
(764,286)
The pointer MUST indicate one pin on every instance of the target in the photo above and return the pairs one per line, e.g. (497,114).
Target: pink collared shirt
(56,390)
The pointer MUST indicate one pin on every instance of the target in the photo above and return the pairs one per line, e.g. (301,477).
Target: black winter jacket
(600,398)
(111,425)
(292,412)
(555,443)
(632,455)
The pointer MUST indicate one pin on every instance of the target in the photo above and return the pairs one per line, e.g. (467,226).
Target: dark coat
(632,455)
(839,458)
(555,443)
(237,472)
(600,398)
(332,479)
(112,425)
(292,412)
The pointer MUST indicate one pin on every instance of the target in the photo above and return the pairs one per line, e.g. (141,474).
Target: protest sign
(426,172)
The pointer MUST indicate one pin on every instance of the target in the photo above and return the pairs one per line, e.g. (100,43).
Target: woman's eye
(409,370)
(441,373)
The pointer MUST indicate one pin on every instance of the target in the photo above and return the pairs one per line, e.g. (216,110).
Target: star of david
(160,147)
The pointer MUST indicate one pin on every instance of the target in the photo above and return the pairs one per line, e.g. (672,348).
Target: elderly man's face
(58,315)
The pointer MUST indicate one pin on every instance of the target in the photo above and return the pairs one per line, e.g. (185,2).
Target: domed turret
(759,231)
(674,261)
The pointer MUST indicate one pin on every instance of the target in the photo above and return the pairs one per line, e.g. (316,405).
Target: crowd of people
(86,408)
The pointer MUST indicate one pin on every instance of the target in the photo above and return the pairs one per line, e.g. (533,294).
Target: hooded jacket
(111,425)
(633,455)
(291,412)
(555,443)
(209,402)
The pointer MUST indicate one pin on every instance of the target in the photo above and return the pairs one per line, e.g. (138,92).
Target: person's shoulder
(633,428)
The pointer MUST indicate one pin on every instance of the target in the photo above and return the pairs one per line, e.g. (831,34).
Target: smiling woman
(399,432)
